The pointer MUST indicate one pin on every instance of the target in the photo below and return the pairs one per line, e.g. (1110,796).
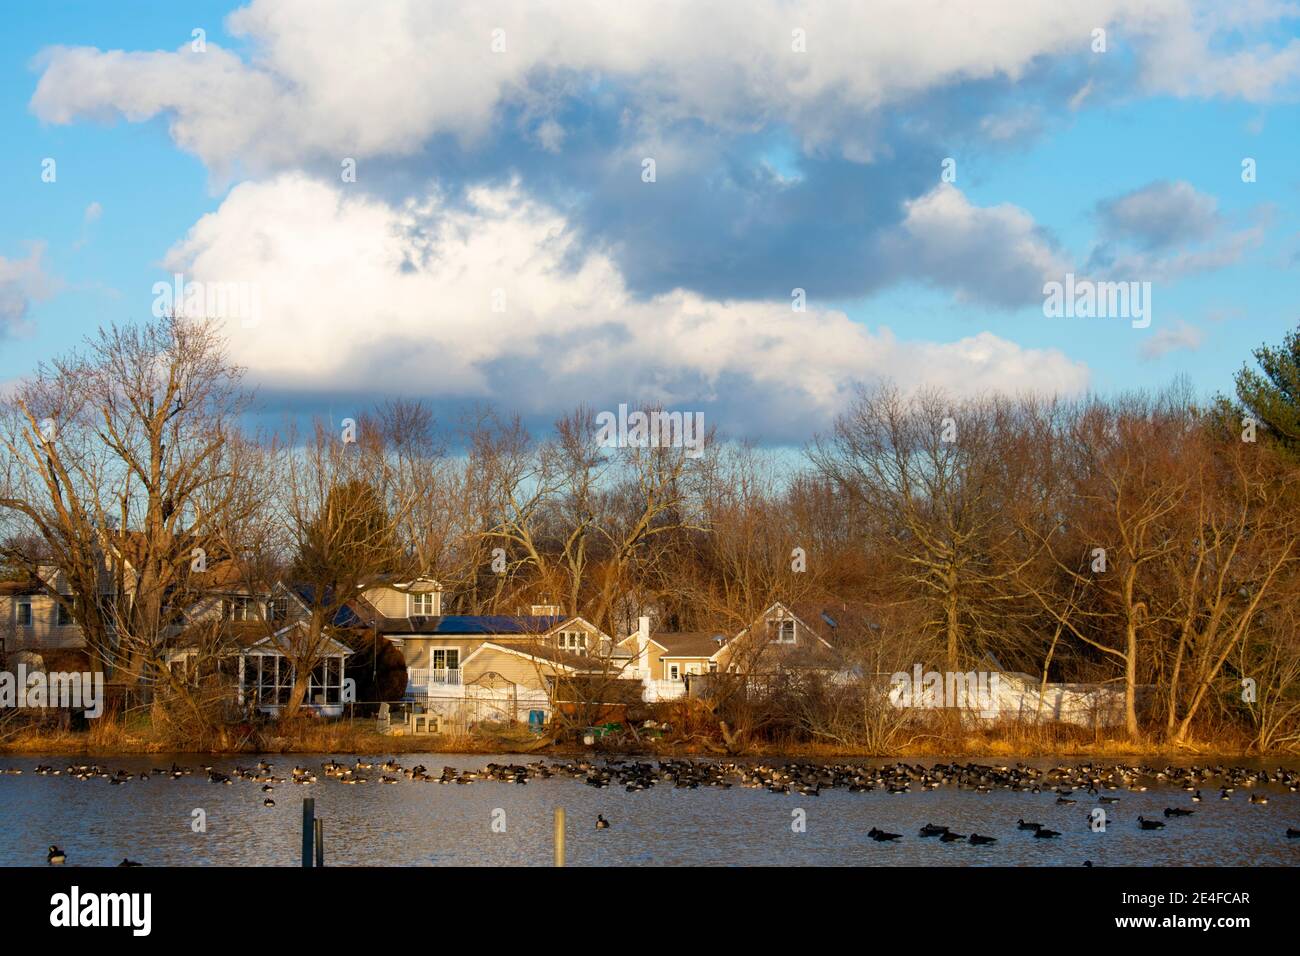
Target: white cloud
(1172,338)
(22,281)
(993,254)
(347,79)
(360,295)
(1187,54)
(1161,214)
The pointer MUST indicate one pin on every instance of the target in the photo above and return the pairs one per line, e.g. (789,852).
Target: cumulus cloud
(359,295)
(22,281)
(1179,337)
(1160,215)
(429,72)
(1191,53)
(1168,230)
(994,254)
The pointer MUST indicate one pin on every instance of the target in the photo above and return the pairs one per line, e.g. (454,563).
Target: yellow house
(778,639)
(511,658)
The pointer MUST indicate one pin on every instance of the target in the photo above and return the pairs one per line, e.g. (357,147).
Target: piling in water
(559,836)
(320,842)
(308,830)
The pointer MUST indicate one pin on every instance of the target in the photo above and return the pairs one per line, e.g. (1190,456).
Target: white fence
(419,678)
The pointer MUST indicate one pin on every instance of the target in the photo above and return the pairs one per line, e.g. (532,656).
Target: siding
(526,673)
(43,632)
(391,602)
(416,649)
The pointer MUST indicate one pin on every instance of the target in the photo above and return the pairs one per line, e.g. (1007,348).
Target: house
(256,657)
(778,639)
(504,664)
(33,619)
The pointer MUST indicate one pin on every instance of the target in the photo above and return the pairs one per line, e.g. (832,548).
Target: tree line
(1149,540)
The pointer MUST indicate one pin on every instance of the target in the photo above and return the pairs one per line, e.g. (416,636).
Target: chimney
(643,646)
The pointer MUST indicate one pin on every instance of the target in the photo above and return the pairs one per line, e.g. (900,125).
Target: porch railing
(433,676)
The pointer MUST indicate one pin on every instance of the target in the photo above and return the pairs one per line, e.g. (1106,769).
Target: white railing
(433,677)
(665,690)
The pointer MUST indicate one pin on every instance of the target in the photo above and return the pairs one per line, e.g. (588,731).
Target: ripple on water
(425,824)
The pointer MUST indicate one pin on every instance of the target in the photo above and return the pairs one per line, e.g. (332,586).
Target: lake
(414,823)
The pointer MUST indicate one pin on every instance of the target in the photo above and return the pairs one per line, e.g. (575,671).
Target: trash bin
(536,719)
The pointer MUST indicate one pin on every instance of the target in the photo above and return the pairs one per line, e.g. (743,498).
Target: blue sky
(518,172)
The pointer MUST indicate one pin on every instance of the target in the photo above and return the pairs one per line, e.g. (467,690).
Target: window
(326,685)
(239,609)
(444,658)
(23,613)
(423,604)
(574,641)
(674,671)
(784,631)
(277,610)
(259,678)
(62,617)
(284,679)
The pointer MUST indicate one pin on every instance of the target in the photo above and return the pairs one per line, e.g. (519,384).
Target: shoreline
(71,746)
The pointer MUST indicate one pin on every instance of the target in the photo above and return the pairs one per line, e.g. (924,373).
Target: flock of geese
(1069,784)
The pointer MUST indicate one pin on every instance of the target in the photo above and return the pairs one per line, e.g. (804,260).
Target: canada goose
(1178,812)
(1259,798)
(950,837)
(1150,824)
(1065,801)
(1292,833)
(268,802)
(931,829)
(1196,797)
(267,788)
(1022,825)
(978,840)
(126,862)
(56,856)
(1108,799)
(880,836)
(1042,833)
(601,823)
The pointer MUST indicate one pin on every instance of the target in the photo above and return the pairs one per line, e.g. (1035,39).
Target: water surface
(414,823)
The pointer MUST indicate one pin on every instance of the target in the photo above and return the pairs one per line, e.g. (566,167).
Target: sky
(743,209)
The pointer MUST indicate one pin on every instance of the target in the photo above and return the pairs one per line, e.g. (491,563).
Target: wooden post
(308,829)
(320,842)
(559,836)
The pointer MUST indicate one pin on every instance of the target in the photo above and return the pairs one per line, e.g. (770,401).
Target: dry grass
(116,735)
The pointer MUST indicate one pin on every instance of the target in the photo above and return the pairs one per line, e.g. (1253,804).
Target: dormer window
(784,631)
(573,641)
(239,609)
(23,610)
(423,604)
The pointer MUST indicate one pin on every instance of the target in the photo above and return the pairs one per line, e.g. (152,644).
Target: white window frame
(673,670)
(241,608)
(417,598)
(446,653)
(18,618)
(780,624)
(575,642)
